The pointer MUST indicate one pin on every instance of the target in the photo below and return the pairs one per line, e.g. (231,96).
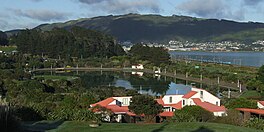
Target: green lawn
(251,94)
(8,48)
(54,77)
(168,127)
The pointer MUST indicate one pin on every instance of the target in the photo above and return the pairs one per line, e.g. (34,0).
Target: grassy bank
(182,127)
(56,77)
(8,48)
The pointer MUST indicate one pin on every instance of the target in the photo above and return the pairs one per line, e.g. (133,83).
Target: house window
(183,102)
(201,93)
(125,101)
(170,99)
(216,103)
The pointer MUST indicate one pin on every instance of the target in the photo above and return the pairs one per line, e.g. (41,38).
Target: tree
(260,74)
(156,55)
(145,104)
(75,42)
(3,38)
(255,84)
(241,103)
(192,114)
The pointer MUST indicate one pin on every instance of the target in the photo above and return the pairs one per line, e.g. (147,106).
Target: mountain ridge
(156,28)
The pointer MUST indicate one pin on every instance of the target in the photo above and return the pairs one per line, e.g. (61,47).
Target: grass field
(8,48)
(54,77)
(70,126)
(251,94)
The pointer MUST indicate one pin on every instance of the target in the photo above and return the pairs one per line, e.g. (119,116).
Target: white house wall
(175,99)
(207,97)
(121,99)
(260,106)
(222,113)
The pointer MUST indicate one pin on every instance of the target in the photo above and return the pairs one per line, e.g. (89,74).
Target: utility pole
(218,80)
(240,88)
(201,77)
(229,93)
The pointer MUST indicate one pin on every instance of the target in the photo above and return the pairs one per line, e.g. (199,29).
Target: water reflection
(146,84)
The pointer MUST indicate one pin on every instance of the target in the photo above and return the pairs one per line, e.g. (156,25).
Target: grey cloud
(210,9)
(120,6)
(205,8)
(252,2)
(124,6)
(3,25)
(41,15)
(92,1)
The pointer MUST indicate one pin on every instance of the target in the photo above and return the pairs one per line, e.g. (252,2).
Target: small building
(119,108)
(260,104)
(196,96)
(248,113)
(200,97)
(138,66)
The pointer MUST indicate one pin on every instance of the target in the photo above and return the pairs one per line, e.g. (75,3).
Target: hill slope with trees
(157,28)
(76,42)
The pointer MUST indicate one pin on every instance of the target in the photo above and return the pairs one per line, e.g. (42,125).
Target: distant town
(227,46)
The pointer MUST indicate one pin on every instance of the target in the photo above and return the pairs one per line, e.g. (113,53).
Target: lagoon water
(146,84)
(255,59)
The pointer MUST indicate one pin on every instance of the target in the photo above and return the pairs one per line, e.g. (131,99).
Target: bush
(255,123)
(8,122)
(233,118)
(192,114)
(241,103)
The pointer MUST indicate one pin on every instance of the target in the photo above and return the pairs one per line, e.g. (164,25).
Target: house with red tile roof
(117,105)
(248,112)
(196,96)
(170,103)
(260,104)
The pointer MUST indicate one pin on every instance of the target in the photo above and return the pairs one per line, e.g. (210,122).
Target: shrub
(192,114)
(255,123)
(233,118)
(241,103)
(8,122)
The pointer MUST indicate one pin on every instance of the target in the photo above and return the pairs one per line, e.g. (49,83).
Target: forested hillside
(157,28)
(76,42)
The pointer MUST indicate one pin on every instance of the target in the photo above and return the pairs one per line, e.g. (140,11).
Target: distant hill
(156,28)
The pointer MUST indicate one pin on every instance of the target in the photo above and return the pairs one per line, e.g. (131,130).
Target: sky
(19,14)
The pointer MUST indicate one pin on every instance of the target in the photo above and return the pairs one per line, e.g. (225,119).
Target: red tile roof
(166,114)
(208,106)
(256,111)
(117,109)
(104,103)
(261,102)
(114,108)
(189,95)
(177,105)
(160,101)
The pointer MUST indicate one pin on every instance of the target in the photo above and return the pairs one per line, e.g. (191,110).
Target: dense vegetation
(156,28)
(156,55)
(78,43)
(3,38)
(192,114)
(145,104)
